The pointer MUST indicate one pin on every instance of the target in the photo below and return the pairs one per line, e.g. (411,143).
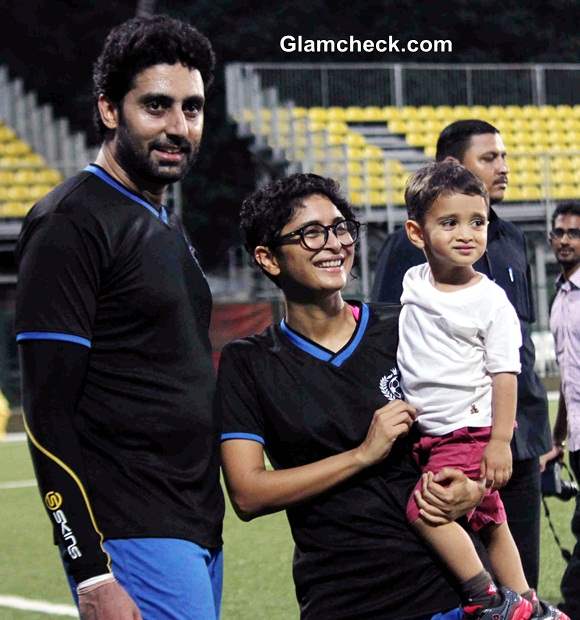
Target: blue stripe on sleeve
(250,436)
(85,342)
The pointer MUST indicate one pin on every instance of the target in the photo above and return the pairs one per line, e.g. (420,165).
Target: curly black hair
(265,212)
(142,42)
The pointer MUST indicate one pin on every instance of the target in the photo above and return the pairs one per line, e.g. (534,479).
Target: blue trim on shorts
(250,436)
(53,336)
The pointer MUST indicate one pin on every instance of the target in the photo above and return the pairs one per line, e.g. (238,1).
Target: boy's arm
(496,466)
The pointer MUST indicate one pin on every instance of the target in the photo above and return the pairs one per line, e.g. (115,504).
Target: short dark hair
(265,212)
(439,179)
(570,207)
(142,42)
(455,139)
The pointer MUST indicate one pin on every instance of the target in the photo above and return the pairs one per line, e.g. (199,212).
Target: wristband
(88,585)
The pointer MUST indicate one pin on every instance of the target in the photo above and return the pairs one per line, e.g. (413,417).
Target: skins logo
(390,385)
(53,501)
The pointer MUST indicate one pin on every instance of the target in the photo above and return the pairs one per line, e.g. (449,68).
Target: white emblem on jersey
(390,385)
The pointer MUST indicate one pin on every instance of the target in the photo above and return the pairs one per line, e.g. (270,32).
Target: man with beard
(112,320)
(478,146)
(565,325)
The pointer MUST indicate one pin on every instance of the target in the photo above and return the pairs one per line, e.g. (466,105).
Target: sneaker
(545,611)
(512,607)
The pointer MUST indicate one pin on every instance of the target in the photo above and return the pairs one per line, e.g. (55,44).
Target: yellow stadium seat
(377,198)
(531,192)
(427,112)
(355,114)
(357,199)
(513,193)
(354,168)
(399,126)
(317,114)
(298,112)
(337,127)
(430,151)
(336,114)
(355,183)
(565,192)
(444,112)
(377,183)
(563,177)
(355,139)
(374,113)
(416,139)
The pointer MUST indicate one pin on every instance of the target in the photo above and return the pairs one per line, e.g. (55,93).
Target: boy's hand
(496,465)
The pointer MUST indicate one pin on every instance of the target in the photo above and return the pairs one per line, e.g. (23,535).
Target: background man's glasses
(558,233)
(315,236)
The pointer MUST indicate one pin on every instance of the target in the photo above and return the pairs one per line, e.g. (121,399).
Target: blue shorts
(168,578)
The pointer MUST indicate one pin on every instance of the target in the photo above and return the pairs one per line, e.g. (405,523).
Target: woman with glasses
(319,394)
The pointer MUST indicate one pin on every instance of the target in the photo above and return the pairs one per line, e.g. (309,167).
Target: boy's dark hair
(265,212)
(439,179)
(455,139)
(570,207)
(142,42)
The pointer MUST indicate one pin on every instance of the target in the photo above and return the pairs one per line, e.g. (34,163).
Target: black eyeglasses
(558,233)
(315,236)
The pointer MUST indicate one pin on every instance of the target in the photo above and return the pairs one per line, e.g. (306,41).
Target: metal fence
(37,125)
(348,84)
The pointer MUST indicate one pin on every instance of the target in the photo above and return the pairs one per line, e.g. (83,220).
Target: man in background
(112,320)
(478,146)
(565,326)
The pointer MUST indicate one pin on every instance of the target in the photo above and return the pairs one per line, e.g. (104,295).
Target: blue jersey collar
(336,359)
(160,214)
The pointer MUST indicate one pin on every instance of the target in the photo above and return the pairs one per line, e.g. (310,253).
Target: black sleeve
(53,375)
(397,255)
(236,397)
(59,269)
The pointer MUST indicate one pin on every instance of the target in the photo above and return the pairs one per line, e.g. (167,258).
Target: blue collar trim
(160,214)
(304,344)
(336,359)
(360,332)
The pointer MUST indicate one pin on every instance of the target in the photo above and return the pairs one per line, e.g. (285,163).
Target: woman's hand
(388,424)
(448,495)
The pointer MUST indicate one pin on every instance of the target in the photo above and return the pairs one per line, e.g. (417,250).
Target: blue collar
(336,359)
(160,214)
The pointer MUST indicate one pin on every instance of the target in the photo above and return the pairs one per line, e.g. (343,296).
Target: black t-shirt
(355,556)
(102,268)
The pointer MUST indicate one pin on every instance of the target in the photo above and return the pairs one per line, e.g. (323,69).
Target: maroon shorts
(462,449)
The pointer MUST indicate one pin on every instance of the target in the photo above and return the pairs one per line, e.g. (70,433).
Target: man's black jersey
(105,273)
(355,556)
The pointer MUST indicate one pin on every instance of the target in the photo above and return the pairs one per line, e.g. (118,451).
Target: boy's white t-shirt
(449,345)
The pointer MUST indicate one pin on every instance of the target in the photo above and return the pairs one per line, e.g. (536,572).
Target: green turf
(257,582)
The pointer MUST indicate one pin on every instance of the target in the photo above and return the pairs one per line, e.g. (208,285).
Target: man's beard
(135,158)
(569,264)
